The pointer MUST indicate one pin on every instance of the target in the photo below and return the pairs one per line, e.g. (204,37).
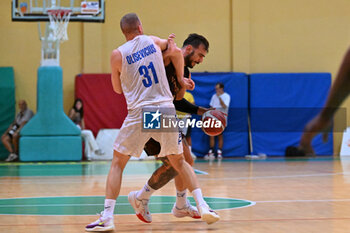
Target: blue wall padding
(50,148)
(236,132)
(281,105)
(7,103)
(50,118)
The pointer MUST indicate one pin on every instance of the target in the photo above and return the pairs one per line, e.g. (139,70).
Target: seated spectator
(10,138)
(76,114)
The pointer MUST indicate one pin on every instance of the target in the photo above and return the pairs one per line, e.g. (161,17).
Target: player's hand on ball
(202,110)
(212,117)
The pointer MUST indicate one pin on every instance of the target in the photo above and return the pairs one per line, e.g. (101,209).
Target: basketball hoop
(59,19)
(55,33)
(56,14)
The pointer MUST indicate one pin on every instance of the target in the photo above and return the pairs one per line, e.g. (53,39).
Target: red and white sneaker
(140,207)
(219,154)
(208,215)
(187,211)
(209,155)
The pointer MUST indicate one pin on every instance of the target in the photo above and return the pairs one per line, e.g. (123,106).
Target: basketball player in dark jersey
(194,49)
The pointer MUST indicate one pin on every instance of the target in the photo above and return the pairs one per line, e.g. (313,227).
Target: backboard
(37,10)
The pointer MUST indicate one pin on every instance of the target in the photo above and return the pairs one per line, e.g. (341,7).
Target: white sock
(145,193)
(109,208)
(198,197)
(181,198)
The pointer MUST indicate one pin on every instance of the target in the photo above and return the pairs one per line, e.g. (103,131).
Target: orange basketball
(214,122)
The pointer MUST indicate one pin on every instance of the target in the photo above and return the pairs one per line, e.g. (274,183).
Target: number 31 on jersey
(144,71)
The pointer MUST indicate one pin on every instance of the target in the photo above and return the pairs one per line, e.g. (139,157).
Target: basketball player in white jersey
(138,72)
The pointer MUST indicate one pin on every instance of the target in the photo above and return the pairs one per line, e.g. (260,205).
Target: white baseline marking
(278,177)
(293,201)
(38,180)
(101,204)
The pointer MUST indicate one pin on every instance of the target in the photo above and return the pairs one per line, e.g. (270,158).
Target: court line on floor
(96,162)
(65,181)
(171,203)
(158,223)
(287,219)
(117,204)
(278,177)
(224,201)
(197,171)
(293,201)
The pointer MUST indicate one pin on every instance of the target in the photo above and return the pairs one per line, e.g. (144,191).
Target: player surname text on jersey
(139,55)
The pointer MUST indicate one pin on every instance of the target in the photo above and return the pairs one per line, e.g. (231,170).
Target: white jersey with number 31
(143,77)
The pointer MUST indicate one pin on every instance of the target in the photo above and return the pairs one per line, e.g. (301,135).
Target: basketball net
(55,33)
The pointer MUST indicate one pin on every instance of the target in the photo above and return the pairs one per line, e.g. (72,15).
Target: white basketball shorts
(132,137)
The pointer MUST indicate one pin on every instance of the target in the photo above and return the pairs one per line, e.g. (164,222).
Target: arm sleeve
(184,106)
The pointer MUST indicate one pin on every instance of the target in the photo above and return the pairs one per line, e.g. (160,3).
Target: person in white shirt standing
(138,72)
(220,101)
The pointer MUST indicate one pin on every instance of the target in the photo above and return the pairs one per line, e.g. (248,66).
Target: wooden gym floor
(271,196)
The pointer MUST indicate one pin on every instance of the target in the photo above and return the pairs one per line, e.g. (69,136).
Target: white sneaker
(11,157)
(101,224)
(187,211)
(140,207)
(208,215)
(209,156)
(219,154)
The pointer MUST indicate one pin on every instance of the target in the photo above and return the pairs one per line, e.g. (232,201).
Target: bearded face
(195,55)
